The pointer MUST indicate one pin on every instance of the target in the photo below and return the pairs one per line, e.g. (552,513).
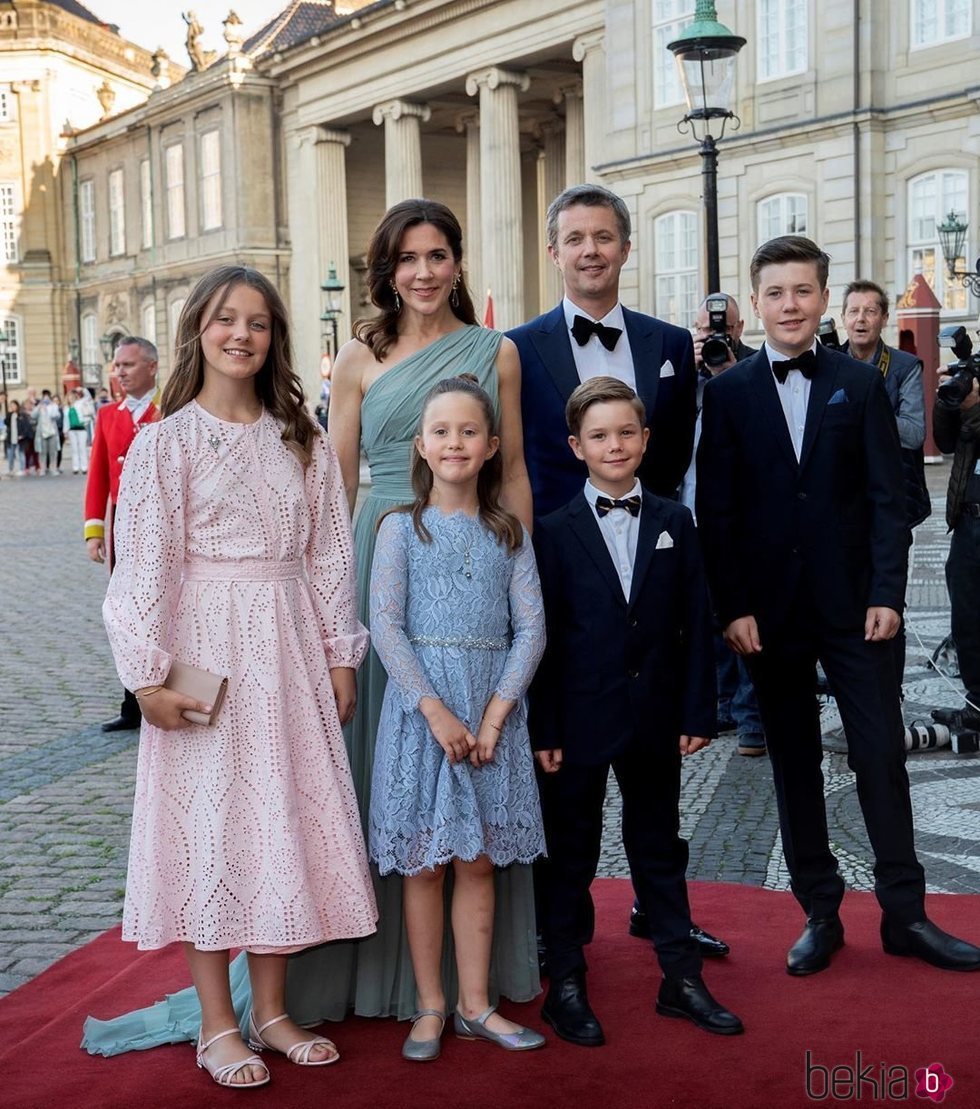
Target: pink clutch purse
(202,685)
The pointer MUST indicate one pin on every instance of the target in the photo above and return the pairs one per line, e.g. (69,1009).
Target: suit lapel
(821,387)
(766,403)
(586,529)
(647,350)
(651,524)
(554,348)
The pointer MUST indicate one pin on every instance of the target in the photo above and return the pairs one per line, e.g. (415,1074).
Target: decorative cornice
(494,77)
(398,109)
(585,44)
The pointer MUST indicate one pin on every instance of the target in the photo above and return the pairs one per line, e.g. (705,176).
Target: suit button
(634,673)
(121,459)
(801,496)
(634,623)
(796,550)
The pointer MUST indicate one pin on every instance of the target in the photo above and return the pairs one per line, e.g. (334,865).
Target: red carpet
(899,1014)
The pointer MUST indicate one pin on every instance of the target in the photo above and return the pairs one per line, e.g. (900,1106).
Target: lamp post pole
(705,54)
(334,288)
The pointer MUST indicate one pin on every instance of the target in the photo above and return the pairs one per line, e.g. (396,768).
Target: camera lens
(952,393)
(715,351)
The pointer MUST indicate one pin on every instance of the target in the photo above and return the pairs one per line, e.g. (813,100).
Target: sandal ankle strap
(201,1048)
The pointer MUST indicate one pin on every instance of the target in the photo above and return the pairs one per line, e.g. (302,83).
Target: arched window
(148,321)
(91,353)
(782,214)
(931,197)
(675,237)
(11,349)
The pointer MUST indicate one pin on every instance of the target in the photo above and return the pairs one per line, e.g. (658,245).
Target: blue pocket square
(840,397)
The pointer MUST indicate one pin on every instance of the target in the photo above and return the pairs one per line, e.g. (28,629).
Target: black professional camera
(965,370)
(827,333)
(718,347)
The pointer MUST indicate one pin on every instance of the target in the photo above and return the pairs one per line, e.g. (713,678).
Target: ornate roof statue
(200,58)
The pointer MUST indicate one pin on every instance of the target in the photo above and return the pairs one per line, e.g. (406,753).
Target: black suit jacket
(834,521)
(548,378)
(616,672)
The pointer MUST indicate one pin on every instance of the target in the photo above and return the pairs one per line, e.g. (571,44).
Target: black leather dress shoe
(567,1010)
(812,952)
(923,940)
(120,724)
(708,945)
(689,998)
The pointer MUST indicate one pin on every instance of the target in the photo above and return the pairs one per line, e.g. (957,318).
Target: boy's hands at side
(549,761)
(691,743)
(344,682)
(164,708)
(450,732)
(881,623)
(742,635)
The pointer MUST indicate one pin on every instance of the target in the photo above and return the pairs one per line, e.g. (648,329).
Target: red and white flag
(488,311)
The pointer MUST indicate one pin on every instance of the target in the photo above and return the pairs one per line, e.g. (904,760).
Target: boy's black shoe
(567,1010)
(708,945)
(121,724)
(932,945)
(689,998)
(812,952)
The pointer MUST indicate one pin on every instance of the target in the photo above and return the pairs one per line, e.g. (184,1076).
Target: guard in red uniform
(116,426)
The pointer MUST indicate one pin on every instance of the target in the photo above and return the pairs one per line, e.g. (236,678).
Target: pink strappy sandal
(297,1053)
(223,1075)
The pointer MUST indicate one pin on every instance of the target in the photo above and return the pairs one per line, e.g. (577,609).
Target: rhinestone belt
(480,642)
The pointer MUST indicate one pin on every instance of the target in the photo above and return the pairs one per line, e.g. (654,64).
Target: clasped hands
(456,739)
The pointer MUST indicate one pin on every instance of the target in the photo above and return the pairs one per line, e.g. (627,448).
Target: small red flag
(488,311)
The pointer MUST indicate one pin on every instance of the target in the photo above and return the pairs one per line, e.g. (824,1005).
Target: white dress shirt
(620,530)
(794,396)
(593,360)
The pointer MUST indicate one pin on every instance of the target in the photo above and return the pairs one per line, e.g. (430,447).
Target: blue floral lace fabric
(459,618)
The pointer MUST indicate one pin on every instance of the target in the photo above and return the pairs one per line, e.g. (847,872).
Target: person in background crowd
(28,408)
(75,418)
(47,432)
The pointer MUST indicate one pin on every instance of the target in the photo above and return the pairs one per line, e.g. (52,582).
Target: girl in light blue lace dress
(457,620)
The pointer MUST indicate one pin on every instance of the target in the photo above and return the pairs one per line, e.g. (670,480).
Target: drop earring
(454,295)
(398,299)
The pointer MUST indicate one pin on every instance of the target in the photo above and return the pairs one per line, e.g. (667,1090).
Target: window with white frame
(675,237)
(91,352)
(175,191)
(9,225)
(670,17)
(148,321)
(210,180)
(146,205)
(782,214)
(782,38)
(935,21)
(931,197)
(117,212)
(176,307)
(86,220)
(10,352)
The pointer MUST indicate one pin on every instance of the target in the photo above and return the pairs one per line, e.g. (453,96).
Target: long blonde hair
(276,385)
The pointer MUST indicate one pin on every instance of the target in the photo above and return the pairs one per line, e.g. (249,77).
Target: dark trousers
(129,708)
(571,802)
(863,679)
(963,582)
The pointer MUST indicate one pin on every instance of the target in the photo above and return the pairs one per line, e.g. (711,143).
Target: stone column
(469,123)
(551,181)
(500,192)
(304,274)
(571,96)
(403,148)
(332,227)
(591,52)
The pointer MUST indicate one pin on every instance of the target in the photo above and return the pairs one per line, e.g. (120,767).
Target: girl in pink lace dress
(234,555)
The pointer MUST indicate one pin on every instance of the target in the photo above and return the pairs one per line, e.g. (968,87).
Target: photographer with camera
(718,346)
(956,429)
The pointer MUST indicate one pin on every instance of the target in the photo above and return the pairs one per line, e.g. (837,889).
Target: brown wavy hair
(504,525)
(276,384)
(380,332)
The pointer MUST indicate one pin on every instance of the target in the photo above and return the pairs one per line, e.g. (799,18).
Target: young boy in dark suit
(627,681)
(801,510)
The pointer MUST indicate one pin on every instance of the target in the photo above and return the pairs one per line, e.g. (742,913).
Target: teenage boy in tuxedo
(627,681)
(801,511)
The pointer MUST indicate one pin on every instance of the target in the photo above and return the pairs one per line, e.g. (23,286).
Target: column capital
(399,109)
(465,120)
(585,44)
(544,128)
(494,77)
(325,134)
(569,90)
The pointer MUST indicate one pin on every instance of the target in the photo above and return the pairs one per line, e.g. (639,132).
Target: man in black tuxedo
(626,681)
(801,511)
(589,334)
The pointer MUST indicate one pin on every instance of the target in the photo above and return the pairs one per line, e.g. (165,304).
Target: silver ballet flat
(424,1051)
(525,1039)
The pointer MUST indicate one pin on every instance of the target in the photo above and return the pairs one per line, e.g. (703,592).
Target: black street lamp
(705,55)
(107,344)
(334,288)
(952,236)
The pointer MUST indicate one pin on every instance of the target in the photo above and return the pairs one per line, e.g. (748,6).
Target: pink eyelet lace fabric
(231,559)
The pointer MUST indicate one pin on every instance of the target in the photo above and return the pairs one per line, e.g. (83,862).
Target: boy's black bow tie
(806,363)
(605,505)
(583,328)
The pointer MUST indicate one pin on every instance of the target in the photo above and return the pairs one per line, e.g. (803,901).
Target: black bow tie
(605,505)
(806,363)
(582,328)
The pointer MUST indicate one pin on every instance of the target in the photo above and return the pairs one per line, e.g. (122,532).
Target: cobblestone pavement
(66,789)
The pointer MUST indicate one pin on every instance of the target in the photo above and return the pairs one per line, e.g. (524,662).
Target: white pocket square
(664,540)
(667,369)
